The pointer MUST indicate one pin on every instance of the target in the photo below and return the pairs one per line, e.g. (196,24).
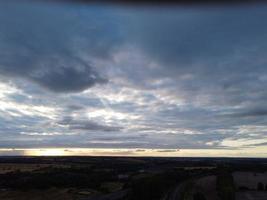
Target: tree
(260,186)
(225,186)
(199,196)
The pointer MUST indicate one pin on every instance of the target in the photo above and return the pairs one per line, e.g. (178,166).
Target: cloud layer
(122,77)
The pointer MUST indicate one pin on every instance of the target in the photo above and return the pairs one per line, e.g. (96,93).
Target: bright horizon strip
(257,152)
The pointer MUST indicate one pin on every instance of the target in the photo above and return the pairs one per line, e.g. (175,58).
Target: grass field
(12,167)
(249,179)
(251,195)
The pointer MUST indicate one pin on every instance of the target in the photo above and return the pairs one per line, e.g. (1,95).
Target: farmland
(130,178)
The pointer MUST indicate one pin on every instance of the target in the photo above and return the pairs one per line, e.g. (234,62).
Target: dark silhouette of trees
(260,186)
(199,196)
(153,187)
(225,185)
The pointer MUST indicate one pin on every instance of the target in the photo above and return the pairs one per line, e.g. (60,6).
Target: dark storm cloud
(207,43)
(87,125)
(161,2)
(67,79)
(39,43)
(182,37)
(197,41)
(261,112)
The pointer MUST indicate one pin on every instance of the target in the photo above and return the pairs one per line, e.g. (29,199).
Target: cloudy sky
(133,79)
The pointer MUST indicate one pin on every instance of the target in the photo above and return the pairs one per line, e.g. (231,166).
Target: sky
(91,79)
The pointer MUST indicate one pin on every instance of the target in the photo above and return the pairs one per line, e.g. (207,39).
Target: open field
(52,194)
(26,167)
(251,195)
(249,180)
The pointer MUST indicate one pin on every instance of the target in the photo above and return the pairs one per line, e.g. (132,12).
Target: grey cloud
(45,44)
(87,125)
(260,112)
(167,150)
(67,79)
(180,37)
(74,107)
(213,53)
(260,144)
(140,150)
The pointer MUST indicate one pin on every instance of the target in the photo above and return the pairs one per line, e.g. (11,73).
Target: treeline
(154,186)
(61,178)
(225,185)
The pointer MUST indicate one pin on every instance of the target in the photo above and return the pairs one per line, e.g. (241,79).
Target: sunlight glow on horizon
(259,152)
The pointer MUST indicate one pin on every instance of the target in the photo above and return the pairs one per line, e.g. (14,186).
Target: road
(176,193)
(113,196)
